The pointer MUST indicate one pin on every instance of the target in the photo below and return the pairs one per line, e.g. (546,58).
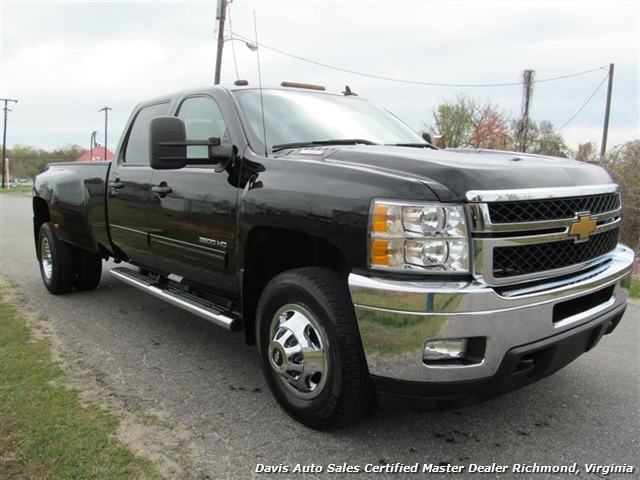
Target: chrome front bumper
(396,318)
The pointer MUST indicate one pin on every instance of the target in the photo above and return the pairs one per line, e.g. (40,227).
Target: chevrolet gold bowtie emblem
(583,227)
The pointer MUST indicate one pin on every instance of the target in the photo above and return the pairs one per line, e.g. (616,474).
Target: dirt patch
(150,434)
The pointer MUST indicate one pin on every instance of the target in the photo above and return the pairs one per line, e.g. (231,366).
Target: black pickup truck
(359,258)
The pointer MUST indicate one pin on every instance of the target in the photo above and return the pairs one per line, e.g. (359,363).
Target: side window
(137,149)
(202,119)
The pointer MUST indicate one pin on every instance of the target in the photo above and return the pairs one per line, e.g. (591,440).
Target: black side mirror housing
(428,137)
(168,146)
(166,143)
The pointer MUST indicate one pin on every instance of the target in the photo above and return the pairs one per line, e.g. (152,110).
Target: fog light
(445,350)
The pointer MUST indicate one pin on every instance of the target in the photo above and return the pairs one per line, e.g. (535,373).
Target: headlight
(418,237)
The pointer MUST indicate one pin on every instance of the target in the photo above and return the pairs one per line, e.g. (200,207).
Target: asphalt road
(207,382)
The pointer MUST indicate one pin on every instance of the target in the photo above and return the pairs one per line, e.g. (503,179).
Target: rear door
(129,187)
(194,222)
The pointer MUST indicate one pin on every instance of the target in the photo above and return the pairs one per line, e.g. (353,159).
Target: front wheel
(311,350)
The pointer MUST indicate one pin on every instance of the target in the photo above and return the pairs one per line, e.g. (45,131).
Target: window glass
(293,116)
(137,149)
(202,120)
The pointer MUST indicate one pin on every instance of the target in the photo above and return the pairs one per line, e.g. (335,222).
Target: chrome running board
(198,306)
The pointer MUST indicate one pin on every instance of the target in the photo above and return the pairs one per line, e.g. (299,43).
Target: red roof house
(97,154)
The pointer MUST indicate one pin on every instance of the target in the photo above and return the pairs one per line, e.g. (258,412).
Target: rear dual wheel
(62,267)
(88,270)
(311,350)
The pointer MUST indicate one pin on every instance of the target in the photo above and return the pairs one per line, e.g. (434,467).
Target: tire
(88,270)
(56,261)
(310,348)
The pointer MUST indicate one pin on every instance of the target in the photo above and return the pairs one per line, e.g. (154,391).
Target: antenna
(264,126)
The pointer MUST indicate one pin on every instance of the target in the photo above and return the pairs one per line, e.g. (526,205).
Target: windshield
(297,118)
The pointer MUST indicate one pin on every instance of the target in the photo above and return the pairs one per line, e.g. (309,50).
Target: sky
(65,61)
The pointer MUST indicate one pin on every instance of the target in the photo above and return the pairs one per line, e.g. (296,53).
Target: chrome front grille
(543,257)
(551,209)
(527,235)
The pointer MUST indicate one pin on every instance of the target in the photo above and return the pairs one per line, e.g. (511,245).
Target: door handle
(162,190)
(115,186)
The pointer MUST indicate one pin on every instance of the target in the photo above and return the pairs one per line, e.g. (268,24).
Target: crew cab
(358,257)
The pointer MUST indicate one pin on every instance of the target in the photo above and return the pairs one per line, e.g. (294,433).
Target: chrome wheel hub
(46,260)
(298,351)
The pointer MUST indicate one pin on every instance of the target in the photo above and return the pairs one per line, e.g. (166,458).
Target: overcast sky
(64,61)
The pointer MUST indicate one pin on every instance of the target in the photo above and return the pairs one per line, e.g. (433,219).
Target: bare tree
(587,152)
(623,163)
(491,129)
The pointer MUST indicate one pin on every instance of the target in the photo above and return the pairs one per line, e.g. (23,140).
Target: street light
(251,46)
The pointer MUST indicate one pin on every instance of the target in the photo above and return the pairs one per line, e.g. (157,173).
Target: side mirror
(168,146)
(166,143)
(428,137)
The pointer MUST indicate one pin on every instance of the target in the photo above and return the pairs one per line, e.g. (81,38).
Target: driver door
(193,227)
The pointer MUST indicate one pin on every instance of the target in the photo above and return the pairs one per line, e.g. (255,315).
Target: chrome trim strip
(396,317)
(538,193)
(590,270)
(483,224)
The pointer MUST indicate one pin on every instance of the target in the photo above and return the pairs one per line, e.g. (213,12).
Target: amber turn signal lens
(380,219)
(380,253)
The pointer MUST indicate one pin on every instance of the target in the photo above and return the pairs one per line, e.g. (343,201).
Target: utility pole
(106,114)
(222,11)
(4,140)
(527,93)
(605,130)
(92,144)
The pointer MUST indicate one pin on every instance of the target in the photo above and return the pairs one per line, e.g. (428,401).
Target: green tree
(550,142)
(542,139)
(69,152)
(454,120)
(27,161)
(467,122)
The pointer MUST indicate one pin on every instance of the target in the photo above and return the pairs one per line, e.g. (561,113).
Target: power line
(158,67)
(416,82)
(585,103)
(233,48)
(85,108)
(120,47)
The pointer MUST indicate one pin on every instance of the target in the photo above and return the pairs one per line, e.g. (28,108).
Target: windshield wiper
(315,143)
(413,145)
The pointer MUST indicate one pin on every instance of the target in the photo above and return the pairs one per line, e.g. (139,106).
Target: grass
(634,291)
(46,430)
(19,188)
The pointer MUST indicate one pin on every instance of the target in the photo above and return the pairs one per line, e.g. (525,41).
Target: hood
(452,173)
